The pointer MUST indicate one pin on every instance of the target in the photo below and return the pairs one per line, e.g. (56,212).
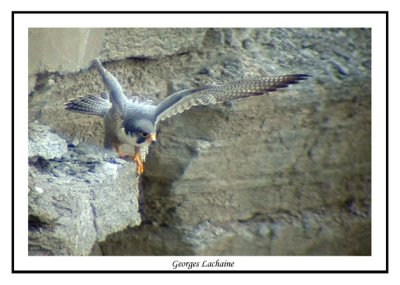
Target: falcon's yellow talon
(139,163)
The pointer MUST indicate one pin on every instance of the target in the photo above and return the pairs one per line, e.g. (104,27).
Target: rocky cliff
(287,173)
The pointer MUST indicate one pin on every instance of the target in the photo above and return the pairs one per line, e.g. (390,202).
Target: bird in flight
(133,122)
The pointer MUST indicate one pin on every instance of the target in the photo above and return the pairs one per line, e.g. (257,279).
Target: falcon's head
(141,130)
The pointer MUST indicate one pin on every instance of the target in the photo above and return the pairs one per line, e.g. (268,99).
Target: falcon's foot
(139,163)
(120,153)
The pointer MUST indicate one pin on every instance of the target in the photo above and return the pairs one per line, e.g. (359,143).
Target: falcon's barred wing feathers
(91,105)
(212,94)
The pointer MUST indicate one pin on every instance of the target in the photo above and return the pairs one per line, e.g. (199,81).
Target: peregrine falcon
(133,122)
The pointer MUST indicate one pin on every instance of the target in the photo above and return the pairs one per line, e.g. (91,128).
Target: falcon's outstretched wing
(212,94)
(91,105)
(117,96)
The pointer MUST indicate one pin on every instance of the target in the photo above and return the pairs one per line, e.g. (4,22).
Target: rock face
(73,195)
(288,173)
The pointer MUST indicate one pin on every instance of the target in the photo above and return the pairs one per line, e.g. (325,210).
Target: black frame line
(386,13)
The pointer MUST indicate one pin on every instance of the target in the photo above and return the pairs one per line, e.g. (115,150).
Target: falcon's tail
(90,105)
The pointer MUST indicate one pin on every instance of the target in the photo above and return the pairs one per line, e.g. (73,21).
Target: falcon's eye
(145,134)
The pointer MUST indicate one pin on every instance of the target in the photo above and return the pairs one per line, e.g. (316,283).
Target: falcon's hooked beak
(151,138)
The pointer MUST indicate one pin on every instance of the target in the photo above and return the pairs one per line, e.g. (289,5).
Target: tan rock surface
(283,174)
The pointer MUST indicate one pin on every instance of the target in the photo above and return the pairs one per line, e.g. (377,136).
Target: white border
(375,21)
